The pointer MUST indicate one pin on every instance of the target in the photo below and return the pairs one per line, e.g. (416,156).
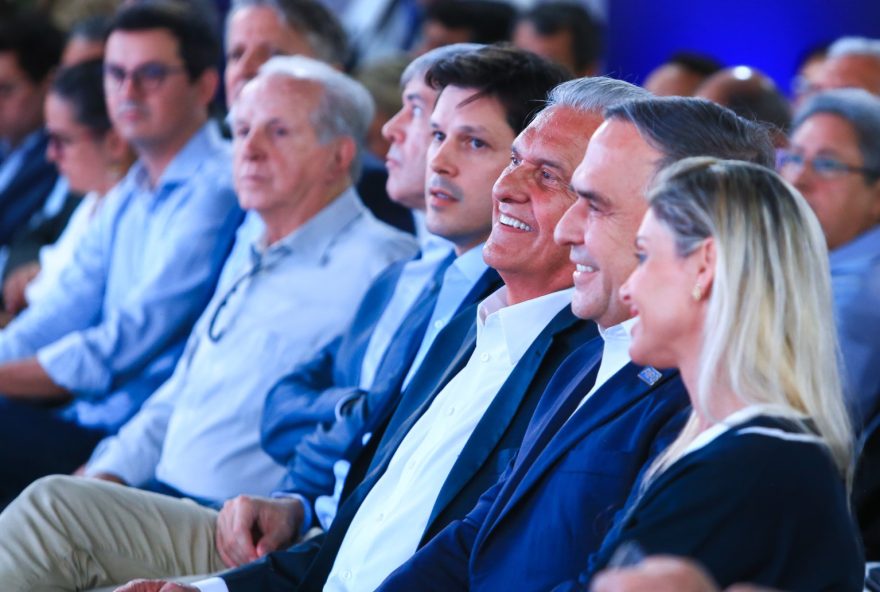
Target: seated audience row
(599,352)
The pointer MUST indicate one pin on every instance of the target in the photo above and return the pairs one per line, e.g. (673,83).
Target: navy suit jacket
(311,393)
(758,504)
(493,443)
(27,191)
(541,521)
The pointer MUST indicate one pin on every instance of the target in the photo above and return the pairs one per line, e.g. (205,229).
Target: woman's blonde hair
(769,332)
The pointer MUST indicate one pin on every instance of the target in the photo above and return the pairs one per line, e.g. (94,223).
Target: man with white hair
(296,131)
(853,62)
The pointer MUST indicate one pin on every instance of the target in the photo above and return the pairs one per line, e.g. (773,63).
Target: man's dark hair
(488,21)
(199,45)
(94,28)
(311,19)
(35,41)
(698,63)
(518,79)
(82,86)
(551,18)
(680,127)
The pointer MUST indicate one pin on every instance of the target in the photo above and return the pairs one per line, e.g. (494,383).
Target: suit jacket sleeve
(297,401)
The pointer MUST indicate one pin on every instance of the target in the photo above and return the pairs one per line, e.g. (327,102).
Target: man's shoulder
(371,234)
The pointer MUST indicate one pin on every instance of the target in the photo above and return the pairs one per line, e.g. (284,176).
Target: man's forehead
(156,43)
(417,90)
(278,90)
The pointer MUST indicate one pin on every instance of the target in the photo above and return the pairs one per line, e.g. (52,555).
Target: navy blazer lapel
(421,392)
(498,416)
(622,390)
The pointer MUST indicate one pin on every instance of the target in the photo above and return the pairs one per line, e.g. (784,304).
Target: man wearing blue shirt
(77,366)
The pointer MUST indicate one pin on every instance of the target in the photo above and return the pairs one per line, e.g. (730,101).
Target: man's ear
(207,84)
(343,155)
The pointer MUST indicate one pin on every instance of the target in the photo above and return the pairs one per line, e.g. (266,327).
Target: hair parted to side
(680,127)
(766,338)
(519,80)
(309,18)
(345,108)
(198,42)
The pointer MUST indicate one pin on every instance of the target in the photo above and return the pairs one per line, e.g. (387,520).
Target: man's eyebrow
(553,164)
(592,196)
(472,129)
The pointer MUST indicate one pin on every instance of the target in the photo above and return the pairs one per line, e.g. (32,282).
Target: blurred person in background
(563,32)
(91,155)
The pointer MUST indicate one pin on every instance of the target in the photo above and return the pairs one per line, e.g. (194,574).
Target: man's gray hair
(420,65)
(858,107)
(596,93)
(310,18)
(855,46)
(345,108)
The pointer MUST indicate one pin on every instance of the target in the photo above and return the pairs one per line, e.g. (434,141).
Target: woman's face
(661,293)
(80,155)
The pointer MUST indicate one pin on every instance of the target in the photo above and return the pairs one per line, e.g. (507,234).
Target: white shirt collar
(520,323)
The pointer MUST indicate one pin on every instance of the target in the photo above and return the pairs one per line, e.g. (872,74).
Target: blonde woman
(733,289)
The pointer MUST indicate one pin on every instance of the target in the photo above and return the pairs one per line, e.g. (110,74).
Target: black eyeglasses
(824,166)
(147,77)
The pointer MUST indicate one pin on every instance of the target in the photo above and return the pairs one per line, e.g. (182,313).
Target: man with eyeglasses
(79,364)
(834,160)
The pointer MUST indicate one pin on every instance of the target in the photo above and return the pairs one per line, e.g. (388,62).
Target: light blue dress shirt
(413,278)
(112,329)
(855,281)
(274,308)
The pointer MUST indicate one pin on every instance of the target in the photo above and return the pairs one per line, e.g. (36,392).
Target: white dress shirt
(615,353)
(387,528)
(200,432)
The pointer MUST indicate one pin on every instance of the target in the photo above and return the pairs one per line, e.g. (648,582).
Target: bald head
(750,93)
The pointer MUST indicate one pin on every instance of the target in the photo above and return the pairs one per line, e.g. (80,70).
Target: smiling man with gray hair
(296,128)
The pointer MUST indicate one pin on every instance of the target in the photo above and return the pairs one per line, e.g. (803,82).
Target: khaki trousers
(70,533)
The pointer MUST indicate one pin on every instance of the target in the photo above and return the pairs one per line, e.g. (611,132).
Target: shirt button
(381,517)
(450,411)
(484,357)
(438,324)
(346,575)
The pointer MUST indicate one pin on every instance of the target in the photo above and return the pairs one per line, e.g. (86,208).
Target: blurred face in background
(89,160)
(255,34)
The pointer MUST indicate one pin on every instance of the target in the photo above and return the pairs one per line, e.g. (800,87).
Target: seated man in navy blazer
(592,433)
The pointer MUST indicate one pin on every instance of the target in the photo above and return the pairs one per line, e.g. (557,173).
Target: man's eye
(438,136)
(476,143)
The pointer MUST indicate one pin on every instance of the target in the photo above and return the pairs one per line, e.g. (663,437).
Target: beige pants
(69,533)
